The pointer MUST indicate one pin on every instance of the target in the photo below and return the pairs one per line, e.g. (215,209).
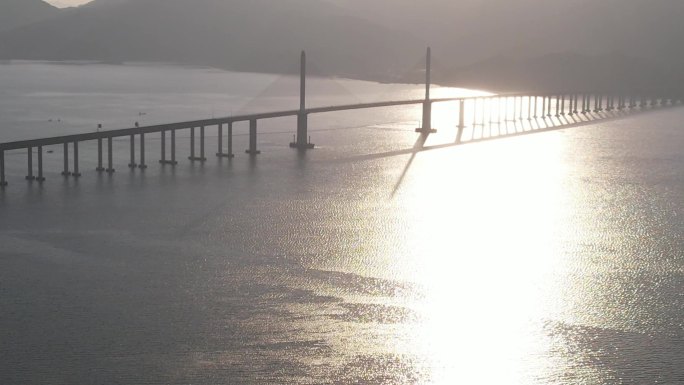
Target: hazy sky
(66,3)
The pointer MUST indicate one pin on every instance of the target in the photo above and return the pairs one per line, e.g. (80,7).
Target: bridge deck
(23,144)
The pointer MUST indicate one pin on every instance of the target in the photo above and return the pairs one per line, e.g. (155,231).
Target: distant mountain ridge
(255,35)
(493,44)
(15,13)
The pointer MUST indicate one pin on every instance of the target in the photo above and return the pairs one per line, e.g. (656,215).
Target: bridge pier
(253,138)
(302,138)
(220,152)
(29,175)
(110,156)
(163,160)
(192,144)
(99,156)
(558,106)
(491,110)
(192,156)
(76,173)
(461,120)
(66,171)
(142,164)
(202,157)
(609,102)
(163,148)
(475,112)
(427,119)
(132,164)
(40,177)
(3,181)
(575,104)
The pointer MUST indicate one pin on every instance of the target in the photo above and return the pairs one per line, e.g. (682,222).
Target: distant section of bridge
(482,111)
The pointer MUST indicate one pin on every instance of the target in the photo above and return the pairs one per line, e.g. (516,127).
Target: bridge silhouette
(478,117)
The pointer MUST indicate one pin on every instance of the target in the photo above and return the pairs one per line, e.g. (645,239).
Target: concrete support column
(427,118)
(557,106)
(76,172)
(461,120)
(142,164)
(253,138)
(3,181)
(66,171)
(202,152)
(132,163)
(491,110)
(515,108)
(192,157)
(229,154)
(220,140)
(110,156)
(29,175)
(595,103)
(163,148)
(173,147)
(192,144)
(99,156)
(475,112)
(40,177)
(230,140)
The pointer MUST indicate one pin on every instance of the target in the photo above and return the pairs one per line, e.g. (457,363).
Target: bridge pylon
(427,104)
(302,139)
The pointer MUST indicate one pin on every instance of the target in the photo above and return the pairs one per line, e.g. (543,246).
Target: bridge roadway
(24,144)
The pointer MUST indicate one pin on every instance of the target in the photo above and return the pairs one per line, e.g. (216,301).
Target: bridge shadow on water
(479,133)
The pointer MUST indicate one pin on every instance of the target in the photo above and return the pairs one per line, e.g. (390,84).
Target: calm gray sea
(553,258)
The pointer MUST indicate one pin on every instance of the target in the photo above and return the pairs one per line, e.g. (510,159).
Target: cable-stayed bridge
(479,118)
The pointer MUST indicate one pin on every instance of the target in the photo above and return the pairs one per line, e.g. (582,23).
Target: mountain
(254,35)
(503,44)
(494,44)
(15,13)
